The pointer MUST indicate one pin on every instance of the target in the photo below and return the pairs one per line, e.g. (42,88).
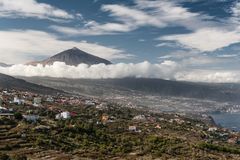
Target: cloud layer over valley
(164,70)
(196,40)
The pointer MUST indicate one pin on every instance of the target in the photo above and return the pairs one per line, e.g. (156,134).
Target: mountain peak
(75,48)
(73,57)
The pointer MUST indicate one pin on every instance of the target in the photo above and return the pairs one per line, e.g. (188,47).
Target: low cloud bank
(120,70)
(165,70)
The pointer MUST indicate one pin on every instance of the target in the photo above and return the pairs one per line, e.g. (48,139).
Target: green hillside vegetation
(86,135)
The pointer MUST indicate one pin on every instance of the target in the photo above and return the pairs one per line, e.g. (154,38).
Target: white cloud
(32,43)
(165,70)
(120,70)
(157,13)
(165,44)
(165,57)
(200,60)
(169,11)
(132,15)
(32,8)
(195,60)
(211,76)
(207,34)
(235,10)
(128,19)
(206,39)
(181,54)
(94,28)
(227,55)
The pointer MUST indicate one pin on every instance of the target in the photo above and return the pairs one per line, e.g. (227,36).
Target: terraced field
(15,143)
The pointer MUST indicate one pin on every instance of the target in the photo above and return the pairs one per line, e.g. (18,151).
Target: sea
(227,120)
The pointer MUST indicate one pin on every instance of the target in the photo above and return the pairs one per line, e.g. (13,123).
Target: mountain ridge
(9,82)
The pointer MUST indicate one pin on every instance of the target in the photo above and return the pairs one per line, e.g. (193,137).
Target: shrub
(18,116)
(219,148)
(19,157)
(4,156)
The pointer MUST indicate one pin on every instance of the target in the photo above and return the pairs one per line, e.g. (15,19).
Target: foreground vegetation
(88,135)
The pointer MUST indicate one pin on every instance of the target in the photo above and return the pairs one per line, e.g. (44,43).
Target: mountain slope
(99,87)
(4,65)
(8,82)
(73,57)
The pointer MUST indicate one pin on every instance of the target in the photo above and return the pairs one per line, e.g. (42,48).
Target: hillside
(8,82)
(98,87)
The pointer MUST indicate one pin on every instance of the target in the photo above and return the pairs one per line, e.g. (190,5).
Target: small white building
(3,109)
(139,118)
(37,101)
(89,103)
(50,99)
(179,121)
(161,119)
(158,127)
(101,106)
(132,128)
(5,92)
(212,129)
(18,101)
(63,115)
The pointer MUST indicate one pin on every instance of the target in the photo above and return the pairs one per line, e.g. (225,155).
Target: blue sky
(199,34)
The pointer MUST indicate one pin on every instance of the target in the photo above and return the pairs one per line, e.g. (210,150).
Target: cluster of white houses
(29,99)
(25,99)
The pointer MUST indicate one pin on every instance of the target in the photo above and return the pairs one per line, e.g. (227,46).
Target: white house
(139,118)
(132,128)
(18,101)
(212,129)
(158,127)
(5,92)
(37,101)
(63,115)
(3,109)
(101,106)
(50,99)
(89,103)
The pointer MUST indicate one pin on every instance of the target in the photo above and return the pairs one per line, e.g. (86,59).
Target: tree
(18,116)
(4,156)
(19,157)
